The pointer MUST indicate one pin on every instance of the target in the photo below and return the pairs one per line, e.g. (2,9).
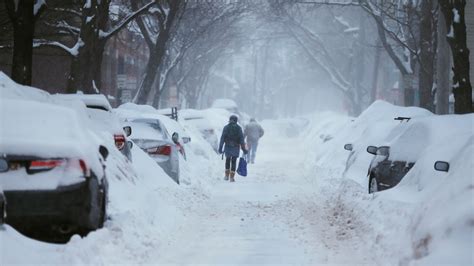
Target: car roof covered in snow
(96,101)
(410,139)
(224,103)
(40,129)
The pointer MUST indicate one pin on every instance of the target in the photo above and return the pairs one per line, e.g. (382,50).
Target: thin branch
(125,21)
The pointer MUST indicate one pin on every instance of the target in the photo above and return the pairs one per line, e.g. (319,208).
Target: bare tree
(454,15)
(157,29)
(316,49)
(200,45)
(95,29)
(23,15)
(443,68)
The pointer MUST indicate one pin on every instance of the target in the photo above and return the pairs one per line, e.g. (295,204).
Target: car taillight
(119,141)
(44,165)
(84,168)
(161,150)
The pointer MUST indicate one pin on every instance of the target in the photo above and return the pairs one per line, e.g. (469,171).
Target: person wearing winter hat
(232,140)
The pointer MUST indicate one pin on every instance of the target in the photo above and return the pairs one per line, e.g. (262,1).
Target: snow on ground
(304,202)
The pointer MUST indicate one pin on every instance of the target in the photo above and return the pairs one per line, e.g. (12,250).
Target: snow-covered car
(232,107)
(52,169)
(197,119)
(100,112)
(151,135)
(227,104)
(173,126)
(406,144)
(385,173)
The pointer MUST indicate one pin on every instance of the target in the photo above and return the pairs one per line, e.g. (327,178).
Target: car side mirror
(130,144)
(127,130)
(348,147)
(441,166)
(372,150)
(104,152)
(3,166)
(175,137)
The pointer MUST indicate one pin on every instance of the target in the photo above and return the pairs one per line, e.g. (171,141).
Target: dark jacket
(232,140)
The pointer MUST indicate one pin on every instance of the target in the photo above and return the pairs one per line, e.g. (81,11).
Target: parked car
(406,143)
(385,173)
(227,104)
(198,120)
(51,169)
(100,112)
(151,135)
(232,107)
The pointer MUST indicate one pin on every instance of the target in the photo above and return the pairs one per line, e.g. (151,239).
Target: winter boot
(227,173)
(232,174)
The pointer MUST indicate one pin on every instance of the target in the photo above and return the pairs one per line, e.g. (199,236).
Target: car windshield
(98,107)
(193,118)
(142,125)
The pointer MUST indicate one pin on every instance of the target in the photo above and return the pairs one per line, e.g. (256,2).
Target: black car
(72,208)
(52,171)
(384,173)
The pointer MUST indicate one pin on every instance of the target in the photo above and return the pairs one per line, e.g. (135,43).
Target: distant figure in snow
(253,132)
(232,140)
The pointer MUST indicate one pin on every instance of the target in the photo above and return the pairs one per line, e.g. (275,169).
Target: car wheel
(373,185)
(2,212)
(103,211)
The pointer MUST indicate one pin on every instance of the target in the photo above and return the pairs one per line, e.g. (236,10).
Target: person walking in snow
(232,140)
(253,132)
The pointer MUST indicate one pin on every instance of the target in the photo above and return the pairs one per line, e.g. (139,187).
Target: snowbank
(427,219)
(143,200)
(201,159)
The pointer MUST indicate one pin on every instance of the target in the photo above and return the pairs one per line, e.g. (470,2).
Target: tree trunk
(96,70)
(149,78)
(152,69)
(23,21)
(80,79)
(375,80)
(408,91)
(427,48)
(158,51)
(457,40)
(443,67)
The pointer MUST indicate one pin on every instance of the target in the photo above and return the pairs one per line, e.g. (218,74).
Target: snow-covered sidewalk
(247,222)
(273,216)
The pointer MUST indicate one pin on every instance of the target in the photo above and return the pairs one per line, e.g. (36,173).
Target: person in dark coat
(253,132)
(232,140)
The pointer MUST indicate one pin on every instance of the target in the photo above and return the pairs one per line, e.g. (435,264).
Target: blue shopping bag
(242,168)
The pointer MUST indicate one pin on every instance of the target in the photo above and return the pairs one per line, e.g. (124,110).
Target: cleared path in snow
(257,219)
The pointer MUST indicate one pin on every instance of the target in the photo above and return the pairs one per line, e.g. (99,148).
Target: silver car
(151,136)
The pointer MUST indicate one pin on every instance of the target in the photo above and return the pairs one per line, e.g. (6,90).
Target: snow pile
(330,132)
(198,168)
(142,198)
(427,219)
(224,104)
